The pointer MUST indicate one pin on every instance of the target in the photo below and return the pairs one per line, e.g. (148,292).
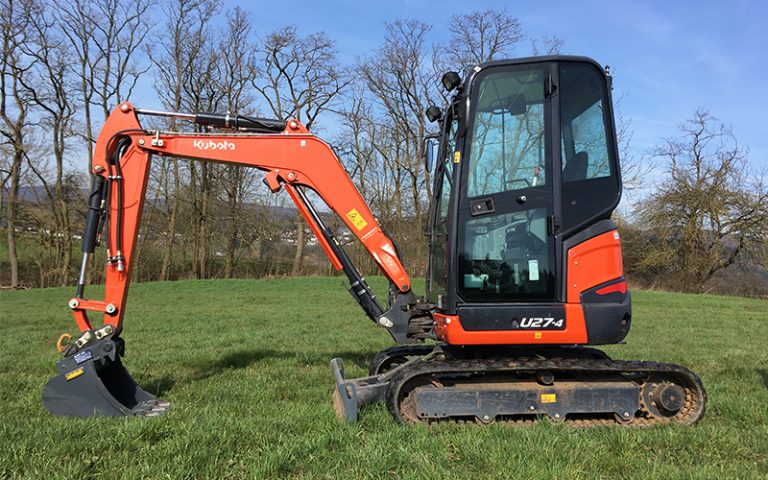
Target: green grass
(245,364)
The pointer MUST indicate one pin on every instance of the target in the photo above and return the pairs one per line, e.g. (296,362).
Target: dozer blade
(351,394)
(92,381)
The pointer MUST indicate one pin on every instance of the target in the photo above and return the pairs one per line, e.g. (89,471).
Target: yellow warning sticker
(357,220)
(456,157)
(74,373)
(548,398)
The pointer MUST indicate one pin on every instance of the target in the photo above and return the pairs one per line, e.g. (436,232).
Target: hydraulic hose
(122,146)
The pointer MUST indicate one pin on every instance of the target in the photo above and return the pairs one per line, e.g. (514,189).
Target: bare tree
(202,93)
(14,110)
(52,91)
(120,29)
(482,36)
(547,45)
(238,71)
(401,82)
(106,36)
(175,53)
(711,212)
(75,17)
(299,77)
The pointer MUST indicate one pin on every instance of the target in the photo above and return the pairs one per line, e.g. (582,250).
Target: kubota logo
(212,145)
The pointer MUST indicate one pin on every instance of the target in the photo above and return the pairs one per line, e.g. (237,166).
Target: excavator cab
(527,169)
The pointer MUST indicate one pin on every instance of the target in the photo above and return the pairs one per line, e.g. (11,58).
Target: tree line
(66,65)
(704,226)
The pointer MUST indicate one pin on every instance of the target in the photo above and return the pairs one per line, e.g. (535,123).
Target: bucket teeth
(151,408)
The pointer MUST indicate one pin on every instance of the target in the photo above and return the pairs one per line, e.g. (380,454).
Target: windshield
(507,150)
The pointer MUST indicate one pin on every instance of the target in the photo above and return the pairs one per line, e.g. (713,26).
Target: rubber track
(691,412)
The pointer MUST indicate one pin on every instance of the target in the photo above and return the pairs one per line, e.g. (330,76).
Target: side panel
(608,310)
(513,317)
(593,262)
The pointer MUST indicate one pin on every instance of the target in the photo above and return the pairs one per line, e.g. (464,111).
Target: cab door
(506,212)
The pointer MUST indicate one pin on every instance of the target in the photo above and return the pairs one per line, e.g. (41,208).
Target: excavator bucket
(92,381)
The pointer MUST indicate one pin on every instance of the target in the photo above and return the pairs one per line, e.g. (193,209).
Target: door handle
(481,206)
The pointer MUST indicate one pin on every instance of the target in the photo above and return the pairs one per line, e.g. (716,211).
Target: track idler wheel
(663,398)
(667,398)
(92,381)
(407,402)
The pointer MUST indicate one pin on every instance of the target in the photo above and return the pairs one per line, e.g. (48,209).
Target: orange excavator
(525,267)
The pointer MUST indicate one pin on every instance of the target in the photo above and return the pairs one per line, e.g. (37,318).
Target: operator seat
(576,168)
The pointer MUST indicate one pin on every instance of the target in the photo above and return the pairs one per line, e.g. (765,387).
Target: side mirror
(430,151)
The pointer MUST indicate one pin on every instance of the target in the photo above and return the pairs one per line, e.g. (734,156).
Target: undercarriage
(581,386)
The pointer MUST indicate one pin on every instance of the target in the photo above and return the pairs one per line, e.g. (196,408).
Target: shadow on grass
(158,386)
(763,375)
(245,358)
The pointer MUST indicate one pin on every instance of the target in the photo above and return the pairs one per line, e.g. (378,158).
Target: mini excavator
(525,267)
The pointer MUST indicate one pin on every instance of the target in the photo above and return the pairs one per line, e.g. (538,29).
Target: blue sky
(667,57)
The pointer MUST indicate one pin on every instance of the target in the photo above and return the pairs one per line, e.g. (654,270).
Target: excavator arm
(292,158)
(91,379)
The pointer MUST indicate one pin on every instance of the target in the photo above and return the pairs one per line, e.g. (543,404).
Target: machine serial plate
(83,356)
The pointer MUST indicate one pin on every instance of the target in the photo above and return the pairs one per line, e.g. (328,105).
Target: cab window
(590,183)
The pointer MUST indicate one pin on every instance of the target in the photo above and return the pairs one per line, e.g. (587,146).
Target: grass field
(245,364)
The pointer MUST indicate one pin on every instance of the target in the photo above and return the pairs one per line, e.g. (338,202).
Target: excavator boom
(91,377)
(292,158)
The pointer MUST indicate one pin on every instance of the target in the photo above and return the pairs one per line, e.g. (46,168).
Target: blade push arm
(293,159)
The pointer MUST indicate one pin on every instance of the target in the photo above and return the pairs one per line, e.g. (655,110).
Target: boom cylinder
(240,122)
(358,287)
(91,230)
(220,120)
